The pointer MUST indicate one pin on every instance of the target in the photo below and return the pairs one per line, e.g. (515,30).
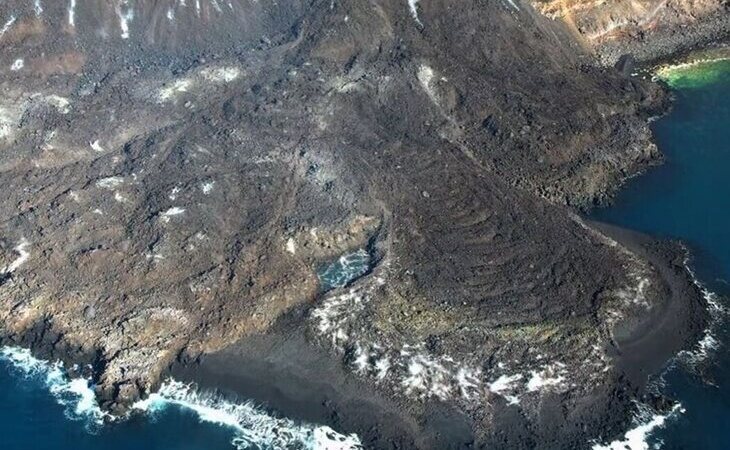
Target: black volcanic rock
(173,176)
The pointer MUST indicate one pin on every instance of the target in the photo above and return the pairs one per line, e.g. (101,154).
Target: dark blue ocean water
(32,418)
(687,198)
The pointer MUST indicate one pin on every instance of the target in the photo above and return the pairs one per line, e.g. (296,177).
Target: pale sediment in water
(695,72)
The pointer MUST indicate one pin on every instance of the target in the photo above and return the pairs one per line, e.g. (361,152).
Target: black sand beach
(283,372)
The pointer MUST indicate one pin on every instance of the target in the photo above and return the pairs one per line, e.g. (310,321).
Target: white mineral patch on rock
(291,246)
(426,78)
(124,19)
(6,26)
(427,377)
(469,382)
(333,315)
(361,360)
(11,112)
(169,93)
(551,376)
(220,74)
(504,383)
(174,211)
(96,146)
(382,366)
(72,13)
(110,182)
(207,187)
(636,294)
(62,104)
(17,64)
(23,256)
(513,4)
(410,367)
(173,193)
(413,6)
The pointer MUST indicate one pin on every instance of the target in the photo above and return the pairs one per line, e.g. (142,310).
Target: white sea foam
(708,344)
(252,426)
(637,437)
(76,395)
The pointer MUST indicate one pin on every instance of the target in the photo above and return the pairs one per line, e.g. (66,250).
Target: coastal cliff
(176,173)
(647,29)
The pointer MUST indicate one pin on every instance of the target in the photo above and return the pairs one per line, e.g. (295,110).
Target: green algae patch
(695,74)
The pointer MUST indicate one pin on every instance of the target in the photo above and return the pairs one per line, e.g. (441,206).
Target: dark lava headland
(174,173)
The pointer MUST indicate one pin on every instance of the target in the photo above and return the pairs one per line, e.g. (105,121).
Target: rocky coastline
(172,192)
(285,374)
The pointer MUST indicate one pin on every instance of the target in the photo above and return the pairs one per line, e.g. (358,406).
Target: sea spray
(709,343)
(645,423)
(76,395)
(253,427)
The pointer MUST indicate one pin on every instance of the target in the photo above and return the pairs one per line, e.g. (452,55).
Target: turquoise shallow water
(689,198)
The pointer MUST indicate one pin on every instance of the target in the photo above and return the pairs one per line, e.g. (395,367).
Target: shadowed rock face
(174,173)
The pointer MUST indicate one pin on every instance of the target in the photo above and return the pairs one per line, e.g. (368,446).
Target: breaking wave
(647,421)
(709,343)
(76,395)
(253,427)
(637,438)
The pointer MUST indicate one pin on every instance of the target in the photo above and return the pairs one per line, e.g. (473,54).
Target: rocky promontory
(176,173)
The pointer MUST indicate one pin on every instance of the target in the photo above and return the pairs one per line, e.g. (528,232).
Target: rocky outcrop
(648,29)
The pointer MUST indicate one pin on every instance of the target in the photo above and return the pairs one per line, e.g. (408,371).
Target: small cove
(688,198)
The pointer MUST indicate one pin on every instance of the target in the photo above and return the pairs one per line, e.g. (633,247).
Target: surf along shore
(283,372)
